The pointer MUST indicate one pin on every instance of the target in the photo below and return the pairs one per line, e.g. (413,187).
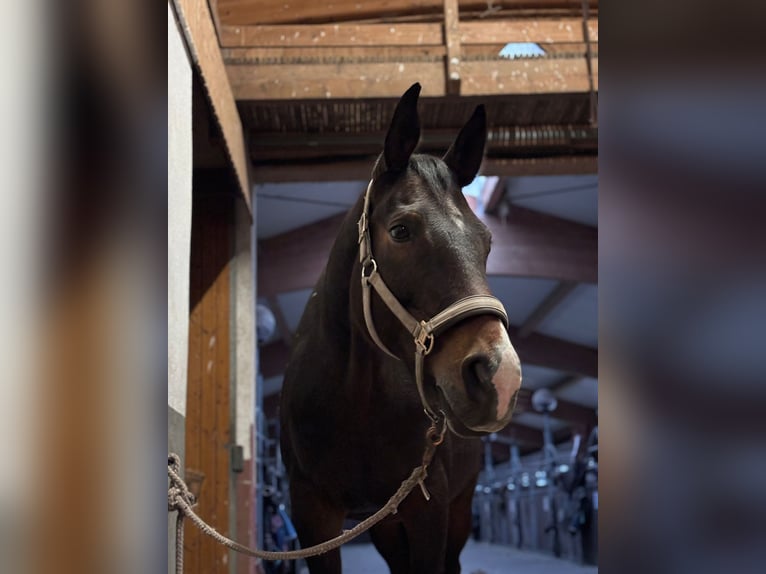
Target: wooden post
(452,40)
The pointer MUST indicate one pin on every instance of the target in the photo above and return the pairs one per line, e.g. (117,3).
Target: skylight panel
(516,50)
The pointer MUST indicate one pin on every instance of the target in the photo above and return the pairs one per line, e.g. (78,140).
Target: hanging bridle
(423,332)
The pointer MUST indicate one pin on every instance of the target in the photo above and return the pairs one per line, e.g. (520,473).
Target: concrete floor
(477,558)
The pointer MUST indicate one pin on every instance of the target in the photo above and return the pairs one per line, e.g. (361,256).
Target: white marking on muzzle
(507,379)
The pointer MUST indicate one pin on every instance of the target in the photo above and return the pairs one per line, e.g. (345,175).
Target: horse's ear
(403,135)
(465,155)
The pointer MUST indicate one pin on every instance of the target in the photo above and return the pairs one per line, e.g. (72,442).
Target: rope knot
(179,494)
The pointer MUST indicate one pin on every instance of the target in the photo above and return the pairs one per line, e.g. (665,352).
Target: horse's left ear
(465,155)
(403,135)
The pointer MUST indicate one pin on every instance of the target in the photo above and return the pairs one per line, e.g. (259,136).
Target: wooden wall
(208,412)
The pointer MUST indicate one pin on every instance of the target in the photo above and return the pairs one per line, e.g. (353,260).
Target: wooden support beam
(481,32)
(238,12)
(493,192)
(452,42)
(526,76)
(279,316)
(391,79)
(336,81)
(346,35)
(565,382)
(562,290)
(360,168)
(540,31)
(280,55)
(532,244)
(202,41)
(553,165)
(556,354)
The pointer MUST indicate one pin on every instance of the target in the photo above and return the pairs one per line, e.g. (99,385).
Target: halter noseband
(423,332)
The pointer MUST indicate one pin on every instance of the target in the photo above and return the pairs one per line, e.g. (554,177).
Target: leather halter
(423,332)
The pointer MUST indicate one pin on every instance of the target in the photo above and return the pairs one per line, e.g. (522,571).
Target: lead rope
(182,500)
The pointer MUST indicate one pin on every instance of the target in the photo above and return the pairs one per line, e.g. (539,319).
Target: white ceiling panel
(292,304)
(534,377)
(272,385)
(582,392)
(571,197)
(520,295)
(575,319)
(282,207)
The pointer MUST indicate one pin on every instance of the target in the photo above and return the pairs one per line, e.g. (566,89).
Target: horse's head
(431,250)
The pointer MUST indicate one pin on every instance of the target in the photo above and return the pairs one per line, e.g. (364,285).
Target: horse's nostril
(482,371)
(477,375)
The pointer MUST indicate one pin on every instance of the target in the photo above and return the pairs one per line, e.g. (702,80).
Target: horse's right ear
(403,135)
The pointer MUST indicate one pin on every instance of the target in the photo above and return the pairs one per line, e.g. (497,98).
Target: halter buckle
(361,226)
(424,341)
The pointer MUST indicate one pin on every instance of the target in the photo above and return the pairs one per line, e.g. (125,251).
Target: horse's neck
(341,308)
(336,280)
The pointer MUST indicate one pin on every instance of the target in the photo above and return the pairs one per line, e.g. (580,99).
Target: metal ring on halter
(436,434)
(370,264)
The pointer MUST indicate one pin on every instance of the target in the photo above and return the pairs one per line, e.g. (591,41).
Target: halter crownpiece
(423,332)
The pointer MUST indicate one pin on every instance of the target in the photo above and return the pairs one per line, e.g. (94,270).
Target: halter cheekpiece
(423,332)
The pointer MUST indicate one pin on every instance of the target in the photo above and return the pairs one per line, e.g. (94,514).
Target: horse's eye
(399,233)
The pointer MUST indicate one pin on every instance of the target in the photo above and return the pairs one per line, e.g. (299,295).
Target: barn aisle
(477,558)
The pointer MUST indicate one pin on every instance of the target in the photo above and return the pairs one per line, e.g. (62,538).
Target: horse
(418,342)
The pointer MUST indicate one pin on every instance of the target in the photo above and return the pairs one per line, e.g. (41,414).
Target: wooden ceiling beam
(501,141)
(237,12)
(279,55)
(360,168)
(390,79)
(528,244)
(565,30)
(317,35)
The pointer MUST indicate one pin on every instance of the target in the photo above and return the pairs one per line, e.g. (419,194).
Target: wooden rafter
(529,244)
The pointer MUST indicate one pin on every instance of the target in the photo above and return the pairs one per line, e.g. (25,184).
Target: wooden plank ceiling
(316,83)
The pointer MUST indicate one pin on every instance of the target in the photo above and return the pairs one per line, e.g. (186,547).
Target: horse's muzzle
(483,391)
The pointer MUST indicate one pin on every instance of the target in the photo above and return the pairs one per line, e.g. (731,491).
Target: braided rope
(181,499)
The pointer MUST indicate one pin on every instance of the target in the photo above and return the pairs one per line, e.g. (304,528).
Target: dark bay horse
(352,411)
